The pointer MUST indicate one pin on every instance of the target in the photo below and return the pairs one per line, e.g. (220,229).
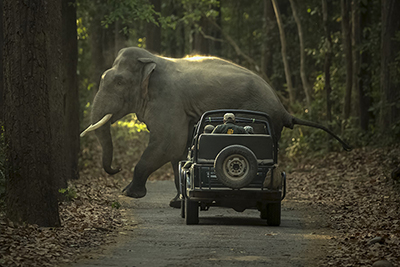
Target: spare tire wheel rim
(236,166)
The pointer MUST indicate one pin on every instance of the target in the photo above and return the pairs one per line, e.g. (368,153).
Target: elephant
(170,95)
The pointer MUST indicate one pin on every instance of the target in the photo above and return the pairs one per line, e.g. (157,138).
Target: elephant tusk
(97,125)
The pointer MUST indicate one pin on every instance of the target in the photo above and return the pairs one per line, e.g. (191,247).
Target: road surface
(158,236)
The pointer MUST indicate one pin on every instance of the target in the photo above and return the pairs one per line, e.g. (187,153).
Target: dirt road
(157,236)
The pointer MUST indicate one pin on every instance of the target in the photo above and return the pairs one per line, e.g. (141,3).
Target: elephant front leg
(152,159)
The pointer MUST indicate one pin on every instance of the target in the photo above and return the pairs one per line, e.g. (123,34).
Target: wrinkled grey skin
(170,95)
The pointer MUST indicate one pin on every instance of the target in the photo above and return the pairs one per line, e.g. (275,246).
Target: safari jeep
(232,170)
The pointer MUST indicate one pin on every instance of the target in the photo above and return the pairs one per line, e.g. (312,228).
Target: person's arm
(217,129)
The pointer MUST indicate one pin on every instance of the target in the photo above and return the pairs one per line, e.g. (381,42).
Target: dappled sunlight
(197,58)
(132,124)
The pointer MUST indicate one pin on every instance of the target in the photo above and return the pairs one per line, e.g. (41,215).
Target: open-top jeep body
(232,170)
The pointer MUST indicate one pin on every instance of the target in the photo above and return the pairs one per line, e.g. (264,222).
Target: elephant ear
(147,70)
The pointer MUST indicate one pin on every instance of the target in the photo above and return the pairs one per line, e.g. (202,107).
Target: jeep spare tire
(235,166)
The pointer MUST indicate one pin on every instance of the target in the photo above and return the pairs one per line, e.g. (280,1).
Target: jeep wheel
(274,214)
(191,212)
(235,166)
(183,208)
(264,213)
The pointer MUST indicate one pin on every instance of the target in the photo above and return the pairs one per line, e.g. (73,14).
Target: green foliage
(130,137)
(68,193)
(81,30)
(132,124)
(116,205)
(130,11)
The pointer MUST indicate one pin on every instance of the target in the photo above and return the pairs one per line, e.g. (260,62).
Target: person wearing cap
(229,126)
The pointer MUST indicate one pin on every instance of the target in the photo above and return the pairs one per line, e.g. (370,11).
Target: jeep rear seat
(211,144)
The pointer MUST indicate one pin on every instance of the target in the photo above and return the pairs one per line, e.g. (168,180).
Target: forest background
(334,62)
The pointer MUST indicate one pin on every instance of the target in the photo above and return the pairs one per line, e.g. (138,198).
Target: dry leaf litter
(362,202)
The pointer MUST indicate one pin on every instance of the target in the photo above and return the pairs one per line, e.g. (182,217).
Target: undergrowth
(305,143)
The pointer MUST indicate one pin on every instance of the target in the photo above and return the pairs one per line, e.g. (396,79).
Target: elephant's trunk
(104,136)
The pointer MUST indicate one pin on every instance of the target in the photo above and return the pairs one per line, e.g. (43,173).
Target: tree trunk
(269,24)
(346,32)
(70,85)
(200,44)
(1,67)
(365,63)
(34,118)
(328,58)
(173,37)
(390,93)
(288,73)
(108,46)
(217,34)
(119,37)
(304,80)
(355,41)
(98,59)
(153,32)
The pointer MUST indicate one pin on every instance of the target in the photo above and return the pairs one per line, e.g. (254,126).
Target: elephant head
(123,89)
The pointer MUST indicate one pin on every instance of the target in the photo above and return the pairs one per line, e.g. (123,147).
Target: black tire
(274,214)
(182,187)
(183,208)
(191,212)
(235,166)
(264,213)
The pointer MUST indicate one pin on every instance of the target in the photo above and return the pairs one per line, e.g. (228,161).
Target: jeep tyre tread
(191,212)
(274,214)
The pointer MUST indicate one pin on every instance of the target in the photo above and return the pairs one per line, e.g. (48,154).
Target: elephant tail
(319,126)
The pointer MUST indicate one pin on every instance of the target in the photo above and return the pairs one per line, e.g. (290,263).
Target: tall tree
(288,73)
(346,35)
(34,117)
(70,85)
(99,47)
(304,79)
(356,42)
(153,31)
(217,34)
(200,43)
(390,47)
(364,86)
(269,25)
(328,57)
(1,65)
(119,37)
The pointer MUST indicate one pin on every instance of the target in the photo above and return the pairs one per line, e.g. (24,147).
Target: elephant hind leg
(176,201)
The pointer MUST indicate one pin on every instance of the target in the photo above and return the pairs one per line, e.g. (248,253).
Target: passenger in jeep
(209,128)
(229,126)
(249,129)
